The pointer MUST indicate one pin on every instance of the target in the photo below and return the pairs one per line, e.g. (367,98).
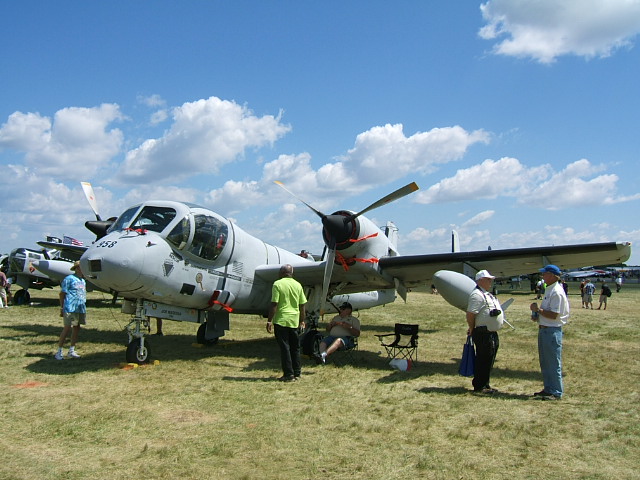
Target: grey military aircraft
(183,262)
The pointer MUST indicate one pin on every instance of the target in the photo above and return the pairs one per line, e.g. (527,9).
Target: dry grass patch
(219,413)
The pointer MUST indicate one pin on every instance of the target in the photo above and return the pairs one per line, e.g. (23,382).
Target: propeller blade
(277,182)
(328,269)
(91,198)
(392,197)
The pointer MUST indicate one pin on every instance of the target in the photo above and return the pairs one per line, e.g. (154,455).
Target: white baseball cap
(484,274)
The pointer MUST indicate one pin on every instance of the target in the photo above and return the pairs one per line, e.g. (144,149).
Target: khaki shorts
(72,319)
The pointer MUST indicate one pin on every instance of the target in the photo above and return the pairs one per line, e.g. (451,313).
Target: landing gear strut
(138,350)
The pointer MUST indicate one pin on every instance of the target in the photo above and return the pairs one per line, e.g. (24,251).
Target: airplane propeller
(98,226)
(338,227)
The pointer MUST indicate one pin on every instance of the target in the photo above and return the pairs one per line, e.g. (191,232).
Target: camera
(494,312)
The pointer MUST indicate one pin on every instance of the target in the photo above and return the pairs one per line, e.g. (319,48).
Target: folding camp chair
(403,343)
(346,354)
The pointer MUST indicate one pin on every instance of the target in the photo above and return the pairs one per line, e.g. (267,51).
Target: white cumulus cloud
(381,155)
(578,184)
(547,29)
(74,145)
(385,153)
(205,135)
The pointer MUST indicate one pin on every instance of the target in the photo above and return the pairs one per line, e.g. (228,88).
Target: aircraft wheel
(202,329)
(136,353)
(21,297)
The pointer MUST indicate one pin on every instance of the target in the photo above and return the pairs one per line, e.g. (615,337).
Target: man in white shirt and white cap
(485,318)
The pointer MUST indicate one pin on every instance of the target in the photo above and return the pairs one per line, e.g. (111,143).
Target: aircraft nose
(115,264)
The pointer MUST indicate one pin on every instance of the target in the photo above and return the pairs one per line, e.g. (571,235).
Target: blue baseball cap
(551,269)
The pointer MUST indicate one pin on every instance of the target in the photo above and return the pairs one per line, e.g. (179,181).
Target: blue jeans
(550,353)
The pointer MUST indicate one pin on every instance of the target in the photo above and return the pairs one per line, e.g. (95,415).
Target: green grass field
(218,412)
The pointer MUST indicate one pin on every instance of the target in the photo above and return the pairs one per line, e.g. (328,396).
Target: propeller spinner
(338,227)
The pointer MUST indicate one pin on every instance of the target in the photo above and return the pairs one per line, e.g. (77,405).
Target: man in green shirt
(286,314)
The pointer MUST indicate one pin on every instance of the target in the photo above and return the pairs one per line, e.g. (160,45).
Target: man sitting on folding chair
(342,330)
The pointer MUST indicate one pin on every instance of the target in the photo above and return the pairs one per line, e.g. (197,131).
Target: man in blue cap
(552,314)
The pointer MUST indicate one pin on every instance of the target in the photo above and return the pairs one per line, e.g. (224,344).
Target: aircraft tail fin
(391,231)
(455,242)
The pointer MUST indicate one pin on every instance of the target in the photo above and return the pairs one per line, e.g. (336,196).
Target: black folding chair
(345,354)
(402,343)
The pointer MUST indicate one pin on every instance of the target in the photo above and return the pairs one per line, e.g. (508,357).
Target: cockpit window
(123,220)
(180,234)
(209,238)
(154,218)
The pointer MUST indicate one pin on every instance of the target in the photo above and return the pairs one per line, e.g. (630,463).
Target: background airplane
(183,262)
(586,273)
(19,267)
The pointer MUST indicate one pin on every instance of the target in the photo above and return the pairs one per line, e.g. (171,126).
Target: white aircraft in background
(19,267)
(586,273)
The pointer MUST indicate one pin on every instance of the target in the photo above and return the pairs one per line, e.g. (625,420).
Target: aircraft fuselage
(183,255)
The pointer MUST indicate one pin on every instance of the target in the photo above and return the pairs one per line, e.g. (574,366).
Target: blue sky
(518,120)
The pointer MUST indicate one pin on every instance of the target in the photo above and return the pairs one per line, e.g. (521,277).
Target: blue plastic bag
(468,362)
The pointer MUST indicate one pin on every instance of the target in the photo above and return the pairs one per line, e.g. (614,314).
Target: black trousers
(487,344)
(289,344)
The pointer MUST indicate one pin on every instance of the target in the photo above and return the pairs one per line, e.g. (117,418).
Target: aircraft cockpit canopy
(198,233)
(123,220)
(209,238)
(154,218)
(151,217)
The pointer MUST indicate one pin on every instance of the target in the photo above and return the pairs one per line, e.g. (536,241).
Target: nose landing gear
(138,349)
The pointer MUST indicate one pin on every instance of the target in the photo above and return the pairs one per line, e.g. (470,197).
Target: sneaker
(549,396)
(287,378)
(58,356)
(542,395)
(485,391)
(320,360)
(73,354)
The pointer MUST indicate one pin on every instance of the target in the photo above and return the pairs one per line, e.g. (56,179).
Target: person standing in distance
(552,314)
(589,290)
(4,286)
(73,309)
(485,318)
(618,283)
(286,315)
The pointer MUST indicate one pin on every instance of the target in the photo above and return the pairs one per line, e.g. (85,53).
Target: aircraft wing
(415,270)
(72,252)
